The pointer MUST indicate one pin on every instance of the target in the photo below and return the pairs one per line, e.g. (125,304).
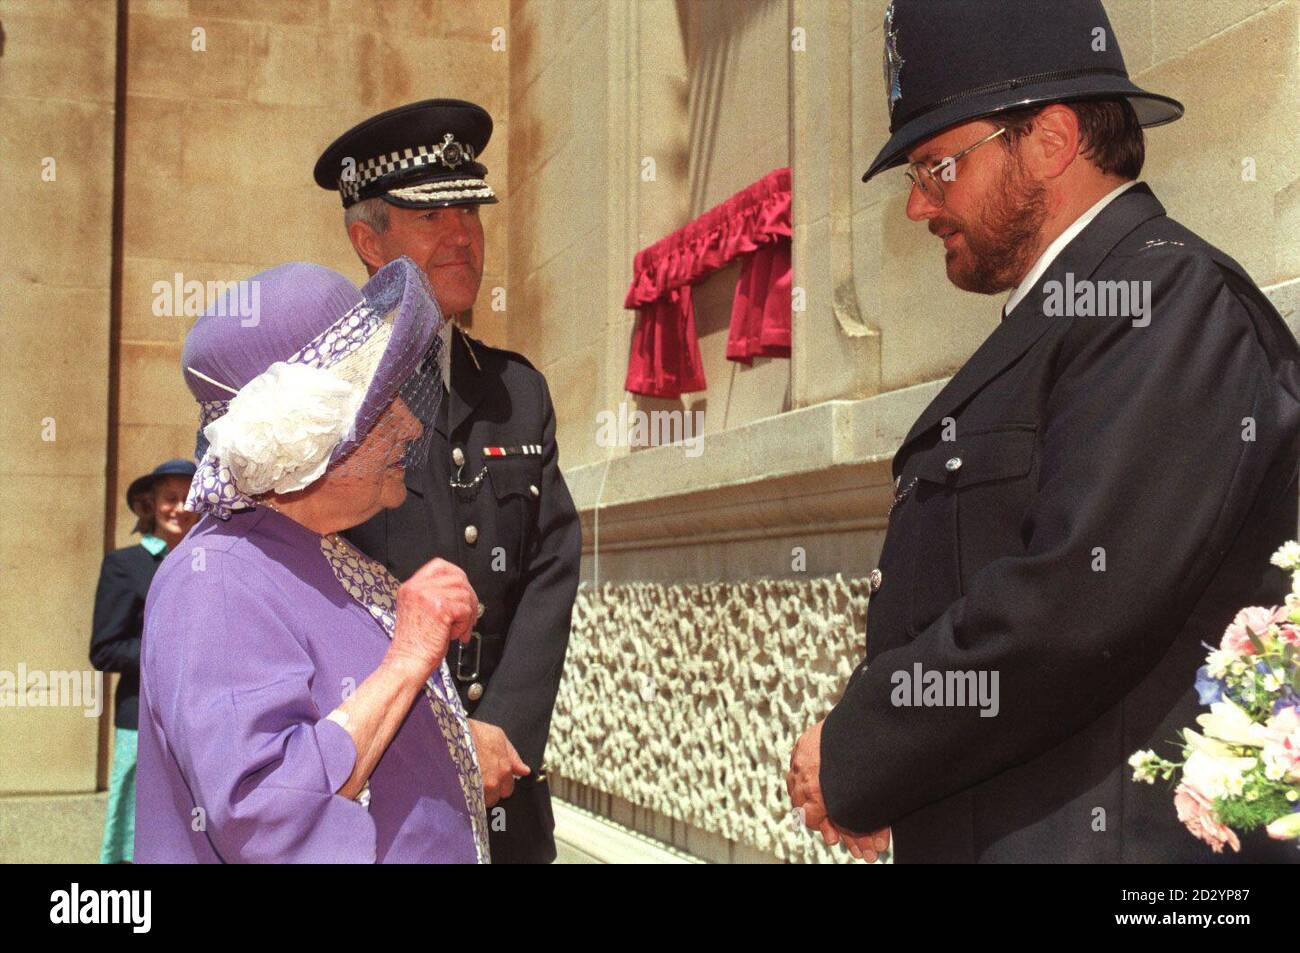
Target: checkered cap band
(374,169)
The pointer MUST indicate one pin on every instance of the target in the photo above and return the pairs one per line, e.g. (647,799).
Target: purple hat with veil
(293,388)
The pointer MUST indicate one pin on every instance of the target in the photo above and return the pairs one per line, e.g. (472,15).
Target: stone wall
(57,72)
(685,700)
(632,118)
(566,162)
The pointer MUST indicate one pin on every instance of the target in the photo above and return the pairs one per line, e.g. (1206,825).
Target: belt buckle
(460,658)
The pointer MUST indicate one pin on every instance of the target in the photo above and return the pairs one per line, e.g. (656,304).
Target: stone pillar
(57,70)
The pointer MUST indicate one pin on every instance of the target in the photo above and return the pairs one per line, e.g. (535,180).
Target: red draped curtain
(755,222)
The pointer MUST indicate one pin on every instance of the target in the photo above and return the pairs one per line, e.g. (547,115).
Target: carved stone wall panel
(686,699)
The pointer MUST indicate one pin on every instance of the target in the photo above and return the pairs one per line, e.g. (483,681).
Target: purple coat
(249,642)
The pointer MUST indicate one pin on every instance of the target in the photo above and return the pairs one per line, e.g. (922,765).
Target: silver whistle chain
(900,495)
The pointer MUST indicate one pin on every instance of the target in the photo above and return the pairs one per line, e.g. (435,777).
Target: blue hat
(142,486)
(949,62)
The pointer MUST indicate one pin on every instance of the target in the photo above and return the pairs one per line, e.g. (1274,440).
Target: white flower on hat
(282,426)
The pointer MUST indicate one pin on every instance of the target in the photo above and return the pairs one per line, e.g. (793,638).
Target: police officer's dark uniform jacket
(511,525)
(491,498)
(1109,498)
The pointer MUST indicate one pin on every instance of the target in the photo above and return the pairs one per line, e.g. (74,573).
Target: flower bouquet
(1242,771)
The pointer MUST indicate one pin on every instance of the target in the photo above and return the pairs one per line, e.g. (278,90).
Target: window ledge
(823,468)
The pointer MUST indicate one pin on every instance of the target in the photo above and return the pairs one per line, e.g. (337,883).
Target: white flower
(1227,722)
(1285,827)
(1216,777)
(1217,663)
(1195,742)
(1144,765)
(1287,556)
(282,427)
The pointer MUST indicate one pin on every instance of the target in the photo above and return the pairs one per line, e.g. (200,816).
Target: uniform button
(471,534)
(458,457)
(953,464)
(475,691)
(533,490)
(875,580)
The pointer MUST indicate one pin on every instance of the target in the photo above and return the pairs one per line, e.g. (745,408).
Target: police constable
(491,498)
(1092,496)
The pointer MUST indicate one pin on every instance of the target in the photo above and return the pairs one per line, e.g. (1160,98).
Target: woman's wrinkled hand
(434,607)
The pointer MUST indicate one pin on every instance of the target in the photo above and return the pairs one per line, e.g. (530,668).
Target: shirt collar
(1049,254)
(153,544)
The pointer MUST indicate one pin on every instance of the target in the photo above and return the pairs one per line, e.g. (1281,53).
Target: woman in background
(158,501)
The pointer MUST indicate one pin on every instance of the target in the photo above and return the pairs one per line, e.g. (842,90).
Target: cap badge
(452,153)
(893,62)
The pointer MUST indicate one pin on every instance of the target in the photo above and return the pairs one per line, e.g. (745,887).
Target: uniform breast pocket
(970,500)
(517,485)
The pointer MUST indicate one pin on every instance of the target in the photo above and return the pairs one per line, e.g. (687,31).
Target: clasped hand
(803,782)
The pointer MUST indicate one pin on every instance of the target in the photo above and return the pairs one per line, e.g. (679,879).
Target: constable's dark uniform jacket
(118,623)
(1169,451)
(512,526)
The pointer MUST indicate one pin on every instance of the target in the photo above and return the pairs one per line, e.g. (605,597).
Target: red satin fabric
(665,359)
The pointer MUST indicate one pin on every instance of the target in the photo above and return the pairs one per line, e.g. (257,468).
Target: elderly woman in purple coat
(294,701)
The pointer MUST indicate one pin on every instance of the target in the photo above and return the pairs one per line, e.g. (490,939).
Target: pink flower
(1197,814)
(1281,748)
(1256,619)
(1289,633)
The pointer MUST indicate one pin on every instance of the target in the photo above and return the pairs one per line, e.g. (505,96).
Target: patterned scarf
(375,588)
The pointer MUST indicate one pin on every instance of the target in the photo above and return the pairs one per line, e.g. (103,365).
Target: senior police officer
(1090,498)
(491,498)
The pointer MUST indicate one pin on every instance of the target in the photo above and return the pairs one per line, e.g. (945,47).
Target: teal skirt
(119,821)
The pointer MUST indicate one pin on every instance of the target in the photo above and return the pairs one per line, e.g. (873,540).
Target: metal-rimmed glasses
(925,177)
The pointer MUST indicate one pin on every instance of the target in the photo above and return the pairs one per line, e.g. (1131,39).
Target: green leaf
(1254,640)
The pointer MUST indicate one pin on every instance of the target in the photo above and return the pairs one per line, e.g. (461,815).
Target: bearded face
(991,211)
(989,248)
